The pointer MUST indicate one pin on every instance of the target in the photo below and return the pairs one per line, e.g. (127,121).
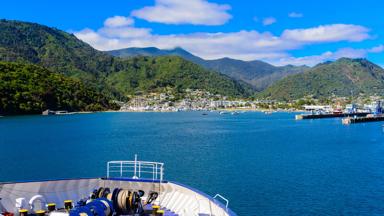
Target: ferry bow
(143,192)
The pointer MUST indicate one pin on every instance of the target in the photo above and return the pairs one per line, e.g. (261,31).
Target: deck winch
(103,202)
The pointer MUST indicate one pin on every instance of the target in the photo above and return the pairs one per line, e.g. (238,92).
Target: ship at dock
(350,111)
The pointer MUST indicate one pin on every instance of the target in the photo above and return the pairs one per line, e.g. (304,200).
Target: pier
(321,116)
(347,121)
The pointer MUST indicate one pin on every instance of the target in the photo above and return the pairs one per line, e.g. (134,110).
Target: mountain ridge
(63,53)
(257,73)
(342,78)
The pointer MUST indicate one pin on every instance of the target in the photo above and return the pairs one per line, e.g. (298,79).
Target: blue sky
(280,32)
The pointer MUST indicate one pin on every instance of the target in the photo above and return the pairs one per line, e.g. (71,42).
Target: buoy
(23,212)
(51,207)
(68,204)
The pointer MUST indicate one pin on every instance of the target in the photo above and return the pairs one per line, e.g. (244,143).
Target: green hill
(30,89)
(341,78)
(153,74)
(64,53)
(51,48)
(258,74)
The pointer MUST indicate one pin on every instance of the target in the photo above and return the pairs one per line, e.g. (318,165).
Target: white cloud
(247,45)
(350,53)
(118,21)
(295,15)
(244,45)
(377,49)
(328,33)
(196,12)
(269,21)
(326,56)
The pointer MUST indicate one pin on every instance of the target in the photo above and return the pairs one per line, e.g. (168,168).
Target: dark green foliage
(29,89)
(147,74)
(56,50)
(51,48)
(258,74)
(341,78)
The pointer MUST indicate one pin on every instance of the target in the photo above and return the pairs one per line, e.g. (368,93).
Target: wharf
(347,121)
(321,116)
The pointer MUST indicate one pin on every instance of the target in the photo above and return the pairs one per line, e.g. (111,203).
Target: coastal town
(192,100)
(199,100)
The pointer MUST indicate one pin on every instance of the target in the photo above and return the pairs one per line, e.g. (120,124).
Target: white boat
(63,112)
(145,192)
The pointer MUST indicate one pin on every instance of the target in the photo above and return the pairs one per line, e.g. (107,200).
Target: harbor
(352,113)
(178,139)
(331,115)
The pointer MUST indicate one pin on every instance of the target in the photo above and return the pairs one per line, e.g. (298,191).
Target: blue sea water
(264,164)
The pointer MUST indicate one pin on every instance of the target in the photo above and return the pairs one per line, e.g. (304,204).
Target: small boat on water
(63,112)
(49,112)
(59,112)
(337,111)
(223,113)
(144,193)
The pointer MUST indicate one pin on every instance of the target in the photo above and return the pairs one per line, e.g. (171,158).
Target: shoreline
(165,111)
(213,110)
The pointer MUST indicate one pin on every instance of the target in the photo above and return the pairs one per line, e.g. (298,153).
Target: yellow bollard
(160,213)
(40,213)
(68,205)
(155,208)
(51,207)
(23,212)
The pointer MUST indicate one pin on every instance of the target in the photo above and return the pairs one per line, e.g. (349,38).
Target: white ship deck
(173,198)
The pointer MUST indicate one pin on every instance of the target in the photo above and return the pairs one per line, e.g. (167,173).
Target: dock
(349,120)
(321,116)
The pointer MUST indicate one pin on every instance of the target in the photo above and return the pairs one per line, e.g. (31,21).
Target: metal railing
(136,169)
(223,198)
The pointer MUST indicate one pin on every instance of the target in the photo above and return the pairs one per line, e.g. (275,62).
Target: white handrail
(223,198)
(136,168)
